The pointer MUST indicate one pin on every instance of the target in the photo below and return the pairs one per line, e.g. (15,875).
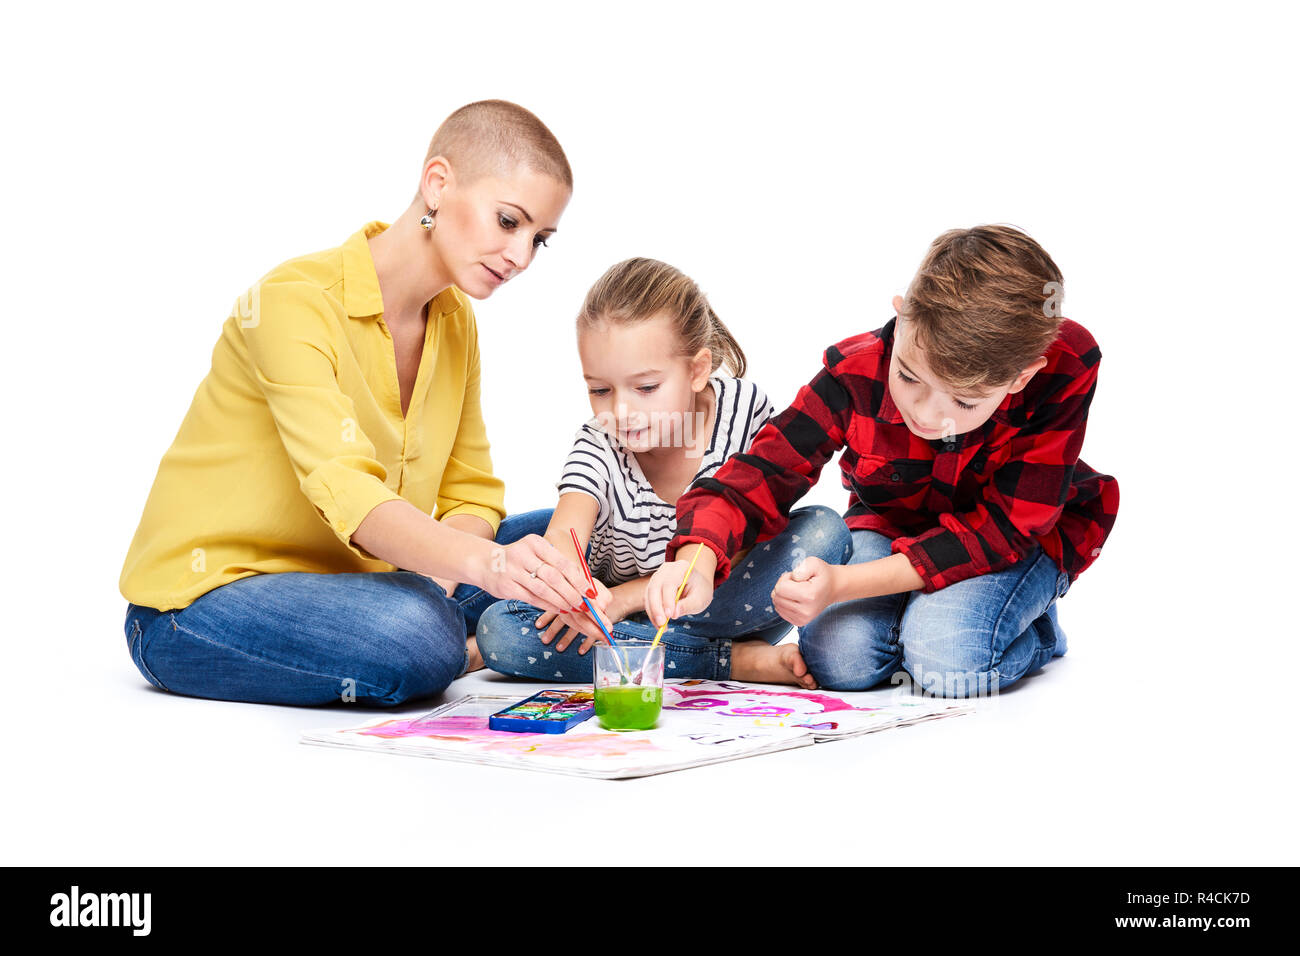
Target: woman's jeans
(381,637)
(968,639)
(697,645)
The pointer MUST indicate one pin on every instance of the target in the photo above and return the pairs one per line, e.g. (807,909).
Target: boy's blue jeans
(968,639)
(697,645)
(380,637)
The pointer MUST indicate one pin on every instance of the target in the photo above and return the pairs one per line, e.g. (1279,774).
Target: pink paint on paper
(445,727)
(762,710)
(474,732)
(738,700)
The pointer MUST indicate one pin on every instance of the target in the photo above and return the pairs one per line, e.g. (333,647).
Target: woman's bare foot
(764,663)
(475,658)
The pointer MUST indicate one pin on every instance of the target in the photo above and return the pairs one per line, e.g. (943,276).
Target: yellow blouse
(297,433)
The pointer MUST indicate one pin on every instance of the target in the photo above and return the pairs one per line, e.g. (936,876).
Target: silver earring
(427,219)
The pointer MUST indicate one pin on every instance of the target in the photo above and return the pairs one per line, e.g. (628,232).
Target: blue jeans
(380,637)
(968,639)
(697,645)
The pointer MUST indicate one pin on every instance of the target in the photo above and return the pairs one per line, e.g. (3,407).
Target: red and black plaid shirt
(957,507)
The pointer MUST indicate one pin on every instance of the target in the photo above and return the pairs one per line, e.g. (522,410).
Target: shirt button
(894,477)
(341,525)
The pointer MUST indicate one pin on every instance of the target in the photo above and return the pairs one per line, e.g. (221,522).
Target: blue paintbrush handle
(596,617)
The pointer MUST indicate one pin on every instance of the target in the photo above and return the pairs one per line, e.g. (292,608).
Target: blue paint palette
(548,712)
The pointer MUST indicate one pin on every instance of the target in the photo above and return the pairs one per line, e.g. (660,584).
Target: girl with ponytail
(664,421)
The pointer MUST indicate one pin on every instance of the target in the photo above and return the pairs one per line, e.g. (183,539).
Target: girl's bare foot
(764,663)
(475,658)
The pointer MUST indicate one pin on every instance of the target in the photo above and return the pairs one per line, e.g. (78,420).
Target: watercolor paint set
(549,712)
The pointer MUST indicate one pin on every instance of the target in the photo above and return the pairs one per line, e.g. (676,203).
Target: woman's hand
(661,602)
(800,595)
(567,627)
(533,570)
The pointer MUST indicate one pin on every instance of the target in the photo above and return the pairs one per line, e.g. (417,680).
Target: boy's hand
(800,595)
(661,591)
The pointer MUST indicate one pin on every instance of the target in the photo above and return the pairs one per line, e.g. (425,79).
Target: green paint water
(629,708)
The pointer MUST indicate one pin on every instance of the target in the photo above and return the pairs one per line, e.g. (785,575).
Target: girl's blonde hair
(635,290)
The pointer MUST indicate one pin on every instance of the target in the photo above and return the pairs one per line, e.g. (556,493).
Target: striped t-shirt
(634,524)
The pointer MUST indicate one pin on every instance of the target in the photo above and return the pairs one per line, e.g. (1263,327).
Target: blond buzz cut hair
(494,137)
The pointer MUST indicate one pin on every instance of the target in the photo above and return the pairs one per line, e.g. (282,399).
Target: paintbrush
(582,560)
(599,623)
(664,626)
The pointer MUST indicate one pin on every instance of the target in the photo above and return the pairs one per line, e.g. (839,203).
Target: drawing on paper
(726,699)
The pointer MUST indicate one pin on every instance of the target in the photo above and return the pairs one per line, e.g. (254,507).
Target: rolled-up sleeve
(468,486)
(294,356)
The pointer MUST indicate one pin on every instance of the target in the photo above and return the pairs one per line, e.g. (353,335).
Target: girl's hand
(661,592)
(609,606)
(534,570)
(800,595)
(565,628)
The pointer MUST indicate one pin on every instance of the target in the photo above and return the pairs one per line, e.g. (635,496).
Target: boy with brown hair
(962,421)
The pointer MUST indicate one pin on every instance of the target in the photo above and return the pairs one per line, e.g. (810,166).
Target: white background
(795,159)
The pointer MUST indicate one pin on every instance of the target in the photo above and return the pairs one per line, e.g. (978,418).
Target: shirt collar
(361,295)
(888,410)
